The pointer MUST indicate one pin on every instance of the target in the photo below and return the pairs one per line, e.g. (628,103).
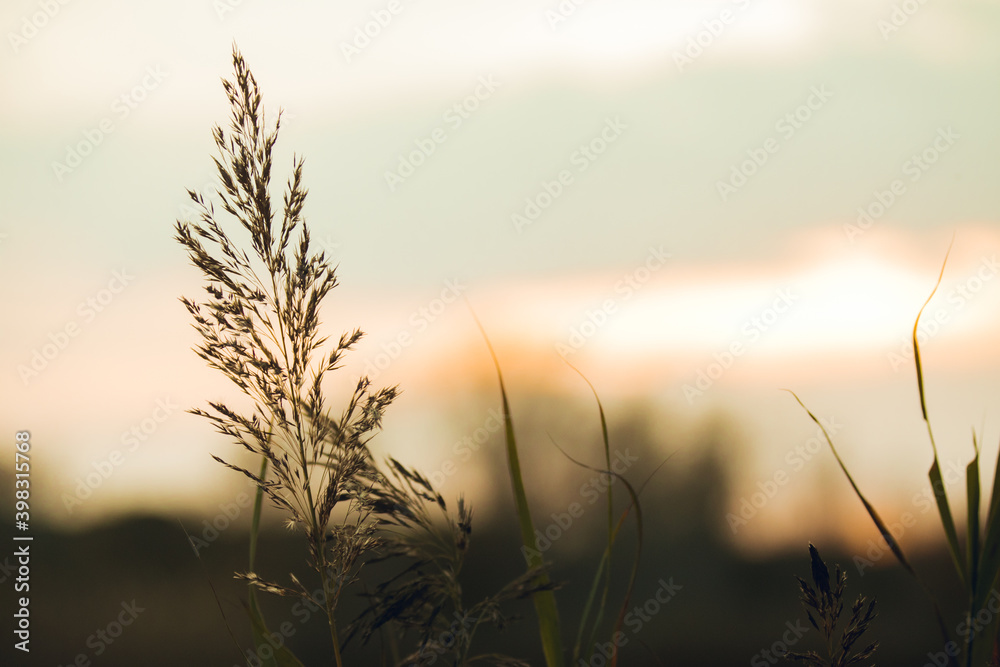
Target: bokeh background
(697,204)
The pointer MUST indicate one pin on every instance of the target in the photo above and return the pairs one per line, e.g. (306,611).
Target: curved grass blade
(937,481)
(621,520)
(605,565)
(545,600)
(882,528)
(916,344)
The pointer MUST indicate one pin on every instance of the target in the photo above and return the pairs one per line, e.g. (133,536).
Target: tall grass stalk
(259,325)
(545,601)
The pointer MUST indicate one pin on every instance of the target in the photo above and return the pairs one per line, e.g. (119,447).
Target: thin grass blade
(880,524)
(274,656)
(638,552)
(604,567)
(215,594)
(916,343)
(280,655)
(991,516)
(989,559)
(882,528)
(972,527)
(937,482)
(944,509)
(545,601)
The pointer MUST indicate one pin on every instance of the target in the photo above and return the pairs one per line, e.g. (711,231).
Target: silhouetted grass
(979,567)
(259,324)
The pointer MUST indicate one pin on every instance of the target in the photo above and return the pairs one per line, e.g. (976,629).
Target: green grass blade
(604,567)
(989,559)
(944,509)
(972,528)
(882,528)
(635,561)
(257,623)
(591,596)
(937,483)
(991,515)
(258,502)
(639,536)
(277,656)
(545,601)
(916,344)
(281,656)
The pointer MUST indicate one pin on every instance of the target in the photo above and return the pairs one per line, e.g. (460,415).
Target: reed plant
(259,323)
(823,601)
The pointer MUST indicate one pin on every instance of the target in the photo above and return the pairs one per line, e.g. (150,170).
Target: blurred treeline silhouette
(725,608)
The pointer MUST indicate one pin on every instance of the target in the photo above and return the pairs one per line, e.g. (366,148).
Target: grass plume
(259,325)
(823,601)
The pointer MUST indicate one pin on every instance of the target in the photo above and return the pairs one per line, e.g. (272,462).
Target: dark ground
(726,611)
(133,594)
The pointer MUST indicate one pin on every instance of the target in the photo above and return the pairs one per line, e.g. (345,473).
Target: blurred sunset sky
(697,203)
